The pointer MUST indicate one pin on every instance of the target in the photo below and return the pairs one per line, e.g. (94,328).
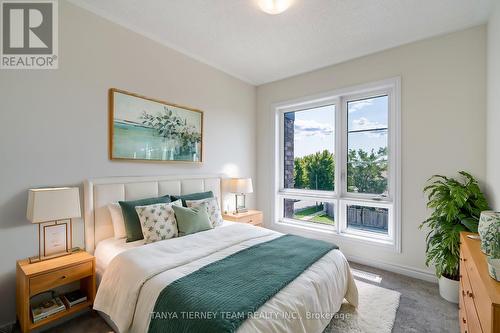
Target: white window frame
(340,196)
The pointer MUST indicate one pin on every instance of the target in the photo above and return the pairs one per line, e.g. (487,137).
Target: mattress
(109,248)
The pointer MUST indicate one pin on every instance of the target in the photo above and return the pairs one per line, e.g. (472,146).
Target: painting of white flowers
(143,128)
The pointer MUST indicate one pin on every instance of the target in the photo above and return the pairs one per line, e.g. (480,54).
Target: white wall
(493,117)
(54,124)
(443,125)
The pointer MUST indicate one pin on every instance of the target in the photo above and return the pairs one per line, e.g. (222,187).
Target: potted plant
(457,206)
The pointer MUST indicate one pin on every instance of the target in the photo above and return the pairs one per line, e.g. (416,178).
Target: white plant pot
(448,289)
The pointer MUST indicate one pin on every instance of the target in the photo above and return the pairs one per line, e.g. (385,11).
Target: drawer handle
(251,220)
(63,277)
(464,321)
(471,295)
(463,293)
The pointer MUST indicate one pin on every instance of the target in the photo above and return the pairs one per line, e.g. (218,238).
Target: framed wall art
(55,238)
(147,129)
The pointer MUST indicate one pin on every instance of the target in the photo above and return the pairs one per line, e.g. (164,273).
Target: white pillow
(158,221)
(117,218)
(213,209)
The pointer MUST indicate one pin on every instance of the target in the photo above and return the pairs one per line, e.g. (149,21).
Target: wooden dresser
(479,304)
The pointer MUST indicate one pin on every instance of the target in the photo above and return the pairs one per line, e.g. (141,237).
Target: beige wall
(493,117)
(443,125)
(53,124)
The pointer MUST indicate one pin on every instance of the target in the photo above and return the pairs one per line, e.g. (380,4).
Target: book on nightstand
(47,308)
(73,298)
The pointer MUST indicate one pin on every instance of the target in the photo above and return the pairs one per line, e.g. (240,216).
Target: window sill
(330,231)
(376,239)
(309,225)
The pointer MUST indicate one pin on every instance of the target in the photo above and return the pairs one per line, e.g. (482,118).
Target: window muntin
(308,154)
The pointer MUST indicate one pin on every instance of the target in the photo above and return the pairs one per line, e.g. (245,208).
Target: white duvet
(134,278)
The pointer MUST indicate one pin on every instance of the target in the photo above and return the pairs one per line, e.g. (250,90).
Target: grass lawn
(325,219)
(307,212)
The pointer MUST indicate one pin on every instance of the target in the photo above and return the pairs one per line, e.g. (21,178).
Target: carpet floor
(421,309)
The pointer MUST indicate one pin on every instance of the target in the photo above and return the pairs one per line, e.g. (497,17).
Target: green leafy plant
(456,205)
(166,123)
(367,171)
(315,171)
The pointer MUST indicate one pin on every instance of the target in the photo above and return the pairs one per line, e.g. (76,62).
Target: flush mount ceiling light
(274,7)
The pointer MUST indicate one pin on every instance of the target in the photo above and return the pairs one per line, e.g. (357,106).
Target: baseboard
(399,269)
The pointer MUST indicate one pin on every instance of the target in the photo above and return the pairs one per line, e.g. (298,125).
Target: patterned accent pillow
(213,209)
(158,221)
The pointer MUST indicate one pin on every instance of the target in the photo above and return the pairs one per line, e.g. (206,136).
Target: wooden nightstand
(39,277)
(254,217)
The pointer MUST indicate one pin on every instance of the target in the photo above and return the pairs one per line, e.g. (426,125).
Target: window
(310,211)
(309,145)
(338,163)
(367,218)
(367,130)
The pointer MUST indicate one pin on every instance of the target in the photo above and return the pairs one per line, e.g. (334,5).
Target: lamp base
(57,255)
(68,251)
(240,206)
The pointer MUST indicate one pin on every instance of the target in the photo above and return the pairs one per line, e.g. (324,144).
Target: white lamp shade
(238,185)
(51,204)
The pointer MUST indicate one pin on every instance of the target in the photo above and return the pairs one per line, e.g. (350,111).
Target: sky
(314,128)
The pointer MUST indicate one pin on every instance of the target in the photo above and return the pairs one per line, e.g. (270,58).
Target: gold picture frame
(152,130)
(56,239)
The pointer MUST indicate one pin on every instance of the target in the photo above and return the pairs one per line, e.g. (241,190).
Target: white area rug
(376,312)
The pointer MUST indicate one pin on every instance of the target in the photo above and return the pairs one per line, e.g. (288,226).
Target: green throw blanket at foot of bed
(220,296)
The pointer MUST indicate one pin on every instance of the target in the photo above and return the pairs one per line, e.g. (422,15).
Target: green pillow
(131,219)
(192,196)
(192,220)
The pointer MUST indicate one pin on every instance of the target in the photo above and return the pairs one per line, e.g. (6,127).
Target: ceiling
(239,39)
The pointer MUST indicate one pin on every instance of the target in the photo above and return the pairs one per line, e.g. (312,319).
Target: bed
(128,285)
(109,248)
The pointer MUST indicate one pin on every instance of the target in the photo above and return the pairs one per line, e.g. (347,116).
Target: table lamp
(53,205)
(240,187)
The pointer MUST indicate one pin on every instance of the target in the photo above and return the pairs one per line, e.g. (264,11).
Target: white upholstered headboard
(98,193)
